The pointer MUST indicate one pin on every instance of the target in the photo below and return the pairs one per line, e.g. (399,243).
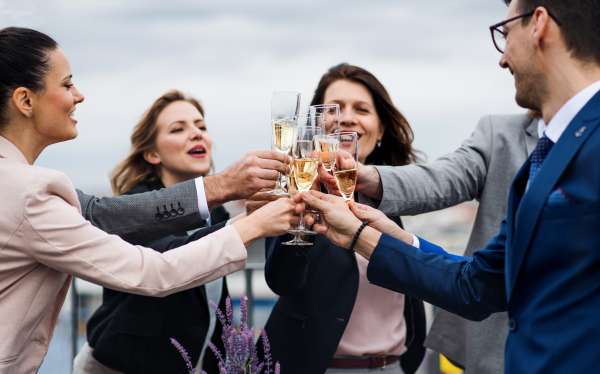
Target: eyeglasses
(498,35)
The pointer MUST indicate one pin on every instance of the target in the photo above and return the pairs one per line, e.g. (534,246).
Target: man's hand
(338,223)
(254,171)
(369,182)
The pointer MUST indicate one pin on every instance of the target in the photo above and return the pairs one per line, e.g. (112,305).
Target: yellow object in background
(447,368)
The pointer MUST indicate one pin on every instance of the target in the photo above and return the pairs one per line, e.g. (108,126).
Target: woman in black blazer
(131,333)
(318,285)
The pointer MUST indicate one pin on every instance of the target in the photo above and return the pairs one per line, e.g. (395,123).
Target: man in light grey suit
(141,218)
(483,169)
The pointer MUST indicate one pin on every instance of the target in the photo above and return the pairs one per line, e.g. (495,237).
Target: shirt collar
(565,115)
(9,151)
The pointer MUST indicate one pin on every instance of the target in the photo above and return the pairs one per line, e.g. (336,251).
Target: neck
(566,78)
(168,179)
(28,141)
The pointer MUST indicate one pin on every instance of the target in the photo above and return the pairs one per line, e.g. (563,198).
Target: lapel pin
(580,132)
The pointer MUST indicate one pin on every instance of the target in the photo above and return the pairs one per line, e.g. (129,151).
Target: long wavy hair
(135,169)
(396,144)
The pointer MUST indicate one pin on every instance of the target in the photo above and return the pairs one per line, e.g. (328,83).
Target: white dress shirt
(202,202)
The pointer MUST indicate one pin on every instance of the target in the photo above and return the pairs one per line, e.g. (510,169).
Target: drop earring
(31,113)
(379,143)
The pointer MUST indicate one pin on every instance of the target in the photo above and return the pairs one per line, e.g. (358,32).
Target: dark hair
(396,143)
(135,169)
(580,24)
(23,63)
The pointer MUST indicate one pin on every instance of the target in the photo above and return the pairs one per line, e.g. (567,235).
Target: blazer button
(512,325)
(39,342)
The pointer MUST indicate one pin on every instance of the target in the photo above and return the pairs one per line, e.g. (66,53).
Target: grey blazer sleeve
(134,217)
(445,182)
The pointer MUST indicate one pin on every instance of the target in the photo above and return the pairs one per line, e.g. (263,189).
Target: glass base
(277,192)
(297,241)
(299,232)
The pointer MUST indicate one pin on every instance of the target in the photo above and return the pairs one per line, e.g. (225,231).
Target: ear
(152,157)
(23,100)
(380,132)
(541,24)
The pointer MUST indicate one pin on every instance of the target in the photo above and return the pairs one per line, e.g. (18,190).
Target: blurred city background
(435,58)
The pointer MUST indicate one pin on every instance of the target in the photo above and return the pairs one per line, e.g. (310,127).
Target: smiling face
(183,145)
(53,108)
(357,113)
(519,58)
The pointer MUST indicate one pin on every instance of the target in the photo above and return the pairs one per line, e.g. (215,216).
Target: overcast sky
(436,58)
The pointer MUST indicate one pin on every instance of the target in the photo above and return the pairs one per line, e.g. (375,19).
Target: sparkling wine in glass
(284,115)
(346,164)
(306,163)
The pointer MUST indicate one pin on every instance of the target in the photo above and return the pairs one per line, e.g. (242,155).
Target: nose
(503,63)
(347,119)
(77,96)
(196,134)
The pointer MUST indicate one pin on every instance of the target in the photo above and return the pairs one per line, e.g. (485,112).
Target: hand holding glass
(346,164)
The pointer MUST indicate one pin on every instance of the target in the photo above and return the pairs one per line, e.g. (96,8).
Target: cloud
(435,58)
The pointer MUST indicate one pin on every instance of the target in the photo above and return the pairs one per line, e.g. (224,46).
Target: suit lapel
(531,136)
(527,214)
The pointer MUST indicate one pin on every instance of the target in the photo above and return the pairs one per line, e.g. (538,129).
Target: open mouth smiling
(197,151)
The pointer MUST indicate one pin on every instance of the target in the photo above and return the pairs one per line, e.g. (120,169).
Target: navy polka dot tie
(544,145)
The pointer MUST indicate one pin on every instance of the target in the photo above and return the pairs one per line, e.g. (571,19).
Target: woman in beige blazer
(44,240)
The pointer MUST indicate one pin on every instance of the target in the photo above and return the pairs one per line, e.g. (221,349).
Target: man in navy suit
(544,264)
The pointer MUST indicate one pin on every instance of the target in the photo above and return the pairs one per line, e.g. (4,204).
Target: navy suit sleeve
(471,289)
(286,267)
(172,241)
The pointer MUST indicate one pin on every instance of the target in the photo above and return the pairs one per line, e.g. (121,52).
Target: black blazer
(317,286)
(131,333)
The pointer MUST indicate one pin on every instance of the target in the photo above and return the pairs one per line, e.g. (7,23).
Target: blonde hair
(135,169)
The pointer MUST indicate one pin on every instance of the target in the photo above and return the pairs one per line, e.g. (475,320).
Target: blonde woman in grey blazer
(483,169)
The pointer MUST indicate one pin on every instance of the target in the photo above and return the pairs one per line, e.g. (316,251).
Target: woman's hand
(273,219)
(260,199)
(338,222)
(380,222)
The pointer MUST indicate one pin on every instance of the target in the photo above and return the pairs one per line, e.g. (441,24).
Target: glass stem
(301,225)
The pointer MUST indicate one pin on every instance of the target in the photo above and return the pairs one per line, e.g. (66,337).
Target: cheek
(370,127)
(170,146)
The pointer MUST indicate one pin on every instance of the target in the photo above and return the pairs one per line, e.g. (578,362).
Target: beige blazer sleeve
(60,238)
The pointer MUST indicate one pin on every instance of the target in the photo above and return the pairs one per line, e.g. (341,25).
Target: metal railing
(76,306)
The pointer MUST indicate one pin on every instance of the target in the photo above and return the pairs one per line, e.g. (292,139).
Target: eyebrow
(183,122)
(68,77)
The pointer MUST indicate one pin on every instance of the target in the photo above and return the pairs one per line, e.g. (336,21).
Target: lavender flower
(267,349)
(240,352)
(185,355)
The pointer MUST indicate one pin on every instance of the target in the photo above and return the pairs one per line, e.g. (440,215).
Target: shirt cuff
(416,243)
(228,222)
(202,203)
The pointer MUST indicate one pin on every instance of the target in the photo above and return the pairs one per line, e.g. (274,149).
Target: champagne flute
(331,112)
(306,163)
(331,125)
(292,189)
(346,164)
(284,111)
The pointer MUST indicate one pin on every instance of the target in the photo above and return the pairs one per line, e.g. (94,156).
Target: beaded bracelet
(360,229)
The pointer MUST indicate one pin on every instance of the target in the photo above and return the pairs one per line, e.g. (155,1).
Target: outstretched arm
(445,182)
(144,217)
(472,289)
(134,217)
